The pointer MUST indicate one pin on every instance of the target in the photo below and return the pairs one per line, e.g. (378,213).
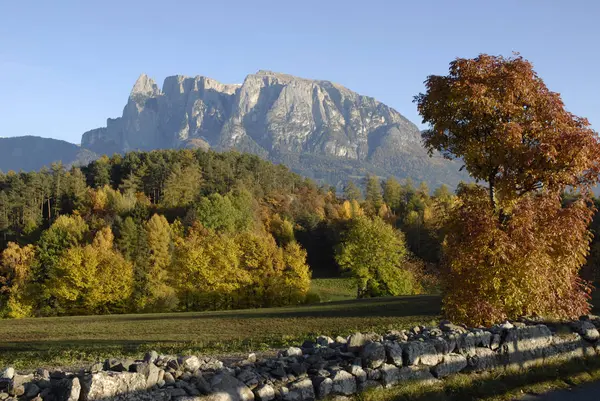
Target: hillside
(317,128)
(30,153)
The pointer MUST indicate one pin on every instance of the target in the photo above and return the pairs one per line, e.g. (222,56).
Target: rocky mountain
(29,153)
(317,128)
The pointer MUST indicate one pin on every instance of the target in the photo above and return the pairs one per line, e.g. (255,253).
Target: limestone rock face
(274,115)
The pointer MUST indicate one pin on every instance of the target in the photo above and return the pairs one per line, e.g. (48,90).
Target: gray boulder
(482,359)
(323,386)
(226,385)
(7,373)
(393,352)
(587,330)
(264,393)
(390,374)
(416,373)
(304,388)
(524,346)
(343,383)
(373,354)
(70,389)
(450,364)
(102,385)
(190,363)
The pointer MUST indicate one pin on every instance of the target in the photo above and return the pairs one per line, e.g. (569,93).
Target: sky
(66,66)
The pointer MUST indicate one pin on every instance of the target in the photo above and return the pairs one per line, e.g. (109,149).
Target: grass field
(333,289)
(76,341)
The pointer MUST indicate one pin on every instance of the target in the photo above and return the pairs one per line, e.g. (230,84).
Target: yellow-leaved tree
(92,279)
(15,274)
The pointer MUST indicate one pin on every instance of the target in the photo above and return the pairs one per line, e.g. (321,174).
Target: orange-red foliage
(527,265)
(512,248)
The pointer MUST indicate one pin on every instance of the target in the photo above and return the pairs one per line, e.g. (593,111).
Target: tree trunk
(492,191)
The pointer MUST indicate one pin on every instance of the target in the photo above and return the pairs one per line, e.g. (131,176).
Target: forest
(181,230)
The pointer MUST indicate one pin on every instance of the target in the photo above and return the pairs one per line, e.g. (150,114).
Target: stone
(151,357)
(393,352)
(190,363)
(251,357)
(429,355)
(467,342)
(343,383)
(524,346)
(419,352)
(304,388)
(265,392)
(482,359)
(441,345)
(168,378)
(495,343)
(358,372)
(293,351)
(324,341)
(448,327)
(450,364)
(8,373)
(341,340)
(569,346)
(235,389)
(323,386)
(70,389)
(355,342)
(415,373)
(373,354)
(31,390)
(249,377)
(153,375)
(390,375)
(369,384)
(102,385)
(587,330)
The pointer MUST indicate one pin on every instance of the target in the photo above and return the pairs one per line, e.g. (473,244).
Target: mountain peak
(310,125)
(144,86)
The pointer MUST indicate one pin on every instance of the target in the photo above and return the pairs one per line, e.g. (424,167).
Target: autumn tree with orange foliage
(512,248)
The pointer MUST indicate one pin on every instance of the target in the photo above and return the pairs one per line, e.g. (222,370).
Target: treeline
(193,230)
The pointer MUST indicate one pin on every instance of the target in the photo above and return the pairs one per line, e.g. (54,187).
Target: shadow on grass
(424,305)
(496,385)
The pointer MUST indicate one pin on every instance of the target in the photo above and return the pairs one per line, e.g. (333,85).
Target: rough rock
(70,389)
(482,359)
(98,386)
(343,383)
(190,363)
(7,373)
(265,393)
(228,385)
(293,351)
(394,353)
(450,364)
(417,373)
(373,354)
(390,374)
(323,386)
(304,388)
(586,329)
(526,345)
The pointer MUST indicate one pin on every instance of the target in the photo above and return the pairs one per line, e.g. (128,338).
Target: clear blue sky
(65,66)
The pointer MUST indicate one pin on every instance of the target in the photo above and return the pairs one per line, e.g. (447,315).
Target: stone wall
(318,368)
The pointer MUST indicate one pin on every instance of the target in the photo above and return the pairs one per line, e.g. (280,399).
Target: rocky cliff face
(316,127)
